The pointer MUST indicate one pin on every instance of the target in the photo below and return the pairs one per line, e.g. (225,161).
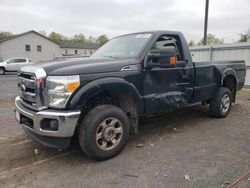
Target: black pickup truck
(102,98)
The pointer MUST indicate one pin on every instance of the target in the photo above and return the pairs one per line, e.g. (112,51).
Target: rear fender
(229,72)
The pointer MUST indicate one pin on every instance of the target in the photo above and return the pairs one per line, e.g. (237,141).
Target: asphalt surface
(182,149)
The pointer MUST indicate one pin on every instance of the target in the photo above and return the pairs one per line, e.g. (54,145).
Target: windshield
(124,46)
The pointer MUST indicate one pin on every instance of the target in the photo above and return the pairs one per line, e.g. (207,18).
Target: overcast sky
(227,18)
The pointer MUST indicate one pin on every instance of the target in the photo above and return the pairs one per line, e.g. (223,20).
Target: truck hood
(85,66)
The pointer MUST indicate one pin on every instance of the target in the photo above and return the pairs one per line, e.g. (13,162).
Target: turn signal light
(72,86)
(172,60)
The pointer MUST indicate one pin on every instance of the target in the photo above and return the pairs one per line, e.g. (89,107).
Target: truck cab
(101,99)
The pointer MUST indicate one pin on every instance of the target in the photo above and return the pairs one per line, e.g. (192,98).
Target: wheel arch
(229,80)
(115,90)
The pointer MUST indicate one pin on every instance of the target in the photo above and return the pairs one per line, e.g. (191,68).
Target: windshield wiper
(109,56)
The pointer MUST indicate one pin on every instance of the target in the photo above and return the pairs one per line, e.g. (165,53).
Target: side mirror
(163,57)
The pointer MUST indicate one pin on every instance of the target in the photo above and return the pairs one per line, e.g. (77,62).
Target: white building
(68,48)
(31,45)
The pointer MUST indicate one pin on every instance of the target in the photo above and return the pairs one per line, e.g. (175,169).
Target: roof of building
(68,44)
(62,44)
(31,31)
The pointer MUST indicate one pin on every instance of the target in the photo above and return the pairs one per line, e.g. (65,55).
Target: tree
(5,34)
(102,40)
(212,39)
(245,37)
(191,43)
(79,38)
(91,40)
(57,37)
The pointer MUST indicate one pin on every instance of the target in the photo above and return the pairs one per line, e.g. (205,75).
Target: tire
(104,132)
(2,71)
(220,104)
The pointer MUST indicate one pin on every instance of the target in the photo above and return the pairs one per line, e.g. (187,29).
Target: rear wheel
(104,132)
(220,104)
(2,71)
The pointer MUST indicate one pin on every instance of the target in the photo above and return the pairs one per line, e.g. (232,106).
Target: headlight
(60,88)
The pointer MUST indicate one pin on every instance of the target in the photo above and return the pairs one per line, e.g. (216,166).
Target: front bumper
(31,122)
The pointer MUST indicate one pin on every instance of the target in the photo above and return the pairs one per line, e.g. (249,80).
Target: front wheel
(2,71)
(220,104)
(104,132)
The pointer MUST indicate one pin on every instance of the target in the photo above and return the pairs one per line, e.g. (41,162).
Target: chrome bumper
(67,120)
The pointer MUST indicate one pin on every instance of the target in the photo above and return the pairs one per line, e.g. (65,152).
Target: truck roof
(155,32)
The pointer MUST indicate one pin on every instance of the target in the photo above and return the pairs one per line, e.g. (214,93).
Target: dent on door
(166,89)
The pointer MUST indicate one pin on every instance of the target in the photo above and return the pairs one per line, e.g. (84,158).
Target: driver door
(167,88)
(10,65)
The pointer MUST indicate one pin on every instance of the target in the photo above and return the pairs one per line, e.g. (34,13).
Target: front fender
(3,65)
(112,84)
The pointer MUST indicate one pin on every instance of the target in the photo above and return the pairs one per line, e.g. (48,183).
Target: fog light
(54,124)
(49,124)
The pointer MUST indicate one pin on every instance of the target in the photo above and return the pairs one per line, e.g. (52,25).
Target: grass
(244,92)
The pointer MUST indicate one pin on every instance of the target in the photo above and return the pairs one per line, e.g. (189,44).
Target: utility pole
(205,24)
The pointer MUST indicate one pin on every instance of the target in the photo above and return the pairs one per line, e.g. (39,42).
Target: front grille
(28,102)
(32,89)
(30,76)
(27,89)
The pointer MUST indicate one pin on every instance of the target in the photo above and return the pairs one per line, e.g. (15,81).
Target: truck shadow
(149,128)
(175,119)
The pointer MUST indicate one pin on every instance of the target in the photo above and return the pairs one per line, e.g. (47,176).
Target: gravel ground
(182,149)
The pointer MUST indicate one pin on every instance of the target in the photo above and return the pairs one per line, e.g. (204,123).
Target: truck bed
(209,75)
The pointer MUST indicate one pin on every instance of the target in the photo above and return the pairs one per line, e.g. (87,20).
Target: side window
(20,60)
(169,40)
(11,61)
(27,48)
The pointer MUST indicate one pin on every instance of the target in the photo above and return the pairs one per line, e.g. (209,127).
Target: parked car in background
(13,64)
